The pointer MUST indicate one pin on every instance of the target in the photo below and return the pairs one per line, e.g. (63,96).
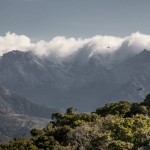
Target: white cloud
(12,41)
(58,46)
(61,47)
(131,45)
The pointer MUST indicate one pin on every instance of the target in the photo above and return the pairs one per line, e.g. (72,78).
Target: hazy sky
(45,19)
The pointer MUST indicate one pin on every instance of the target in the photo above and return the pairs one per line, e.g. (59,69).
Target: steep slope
(12,103)
(18,115)
(14,125)
(33,77)
(133,77)
(78,82)
(91,86)
(56,84)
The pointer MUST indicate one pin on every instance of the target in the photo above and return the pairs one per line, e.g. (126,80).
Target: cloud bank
(60,48)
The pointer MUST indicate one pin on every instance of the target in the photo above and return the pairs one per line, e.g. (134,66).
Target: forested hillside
(116,126)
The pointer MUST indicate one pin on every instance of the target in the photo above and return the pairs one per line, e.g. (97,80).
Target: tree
(137,108)
(147,100)
(118,109)
(69,111)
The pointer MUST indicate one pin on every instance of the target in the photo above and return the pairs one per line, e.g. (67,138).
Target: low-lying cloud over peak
(61,47)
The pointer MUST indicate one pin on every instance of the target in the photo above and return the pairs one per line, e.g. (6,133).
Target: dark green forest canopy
(116,126)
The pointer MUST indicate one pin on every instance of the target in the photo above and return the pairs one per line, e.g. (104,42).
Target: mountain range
(83,85)
(18,115)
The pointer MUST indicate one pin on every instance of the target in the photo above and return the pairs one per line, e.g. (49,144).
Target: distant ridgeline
(116,126)
(73,82)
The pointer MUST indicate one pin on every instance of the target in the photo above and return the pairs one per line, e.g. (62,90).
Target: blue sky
(45,19)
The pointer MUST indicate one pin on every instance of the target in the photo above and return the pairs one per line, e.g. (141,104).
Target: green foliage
(36,132)
(118,109)
(116,126)
(69,111)
(22,143)
(120,145)
(75,119)
(147,100)
(138,109)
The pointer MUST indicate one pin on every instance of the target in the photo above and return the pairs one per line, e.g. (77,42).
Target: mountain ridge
(72,84)
(18,115)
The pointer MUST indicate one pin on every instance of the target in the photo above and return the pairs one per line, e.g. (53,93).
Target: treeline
(116,126)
